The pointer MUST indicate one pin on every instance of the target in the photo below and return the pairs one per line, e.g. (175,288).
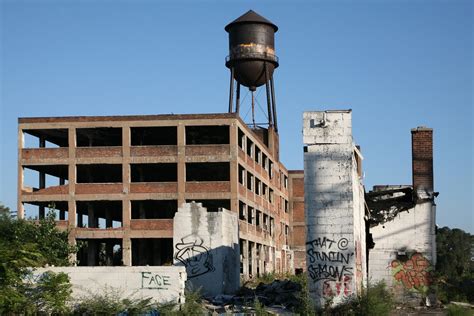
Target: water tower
(252,61)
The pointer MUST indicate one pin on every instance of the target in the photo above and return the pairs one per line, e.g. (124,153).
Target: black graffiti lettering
(333,256)
(321,242)
(320,272)
(154,281)
(329,259)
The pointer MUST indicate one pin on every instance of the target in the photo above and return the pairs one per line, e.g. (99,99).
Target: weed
(456,310)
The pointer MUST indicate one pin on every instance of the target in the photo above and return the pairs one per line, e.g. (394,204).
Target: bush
(111,302)
(375,300)
(51,293)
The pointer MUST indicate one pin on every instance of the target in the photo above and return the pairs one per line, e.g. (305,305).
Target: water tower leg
(237,105)
(231,92)
(274,104)
(269,106)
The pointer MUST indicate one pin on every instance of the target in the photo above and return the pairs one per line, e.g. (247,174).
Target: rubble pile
(280,295)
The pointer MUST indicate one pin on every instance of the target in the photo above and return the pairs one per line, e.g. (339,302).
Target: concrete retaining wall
(207,244)
(162,284)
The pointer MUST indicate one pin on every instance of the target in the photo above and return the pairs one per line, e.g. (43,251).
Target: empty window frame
(241,139)
(258,186)
(287,206)
(99,214)
(39,209)
(213,205)
(152,251)
(208,171)
(100,252)
(271,198)
(100,136)
(154,209)
(257,218)
(242,211)
(250,148)
(39,177)
(154,135)
(242,175)
(270,169)
(258,157)
(99,173)
(250,214)
(204,135)
(272,226)
(265,221)
(264,161)
(46,138)
(154,172)
(250,183)
(264,190)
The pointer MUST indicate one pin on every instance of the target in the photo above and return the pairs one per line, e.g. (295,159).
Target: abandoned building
(353,237)
(160,190)
(118,181)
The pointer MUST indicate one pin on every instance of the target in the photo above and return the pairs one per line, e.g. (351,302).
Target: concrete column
(91,252)
(253,258)
(109,252)
(91,218)
(72,177)
(181,164)
(21,142)
(141,211)
(72,189)
(42,179)
(245,257)
(142,252)
(108,218)
(234,168)
(126,208)
(156,253)
(80,221)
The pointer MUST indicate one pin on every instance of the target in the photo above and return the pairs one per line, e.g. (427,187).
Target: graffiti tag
(330,263)
(154,281)
(414,273)
(195,257)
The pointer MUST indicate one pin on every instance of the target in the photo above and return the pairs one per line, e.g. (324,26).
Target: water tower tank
(251,48)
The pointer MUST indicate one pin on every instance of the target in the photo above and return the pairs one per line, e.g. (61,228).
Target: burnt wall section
(207,244)
(334,208)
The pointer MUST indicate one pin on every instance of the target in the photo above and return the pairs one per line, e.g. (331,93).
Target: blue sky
(396,64)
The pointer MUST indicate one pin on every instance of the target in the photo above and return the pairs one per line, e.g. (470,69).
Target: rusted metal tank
(251,49)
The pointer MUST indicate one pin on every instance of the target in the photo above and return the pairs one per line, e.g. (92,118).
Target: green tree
(454,266)
(25,245)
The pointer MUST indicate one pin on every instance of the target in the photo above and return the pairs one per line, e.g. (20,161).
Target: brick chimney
(422,158)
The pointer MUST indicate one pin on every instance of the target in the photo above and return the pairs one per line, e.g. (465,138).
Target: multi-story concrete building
(117,182)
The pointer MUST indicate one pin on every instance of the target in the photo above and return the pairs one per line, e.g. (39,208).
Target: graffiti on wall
(155,281)
(195,257)
(415,273)
(330,262)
